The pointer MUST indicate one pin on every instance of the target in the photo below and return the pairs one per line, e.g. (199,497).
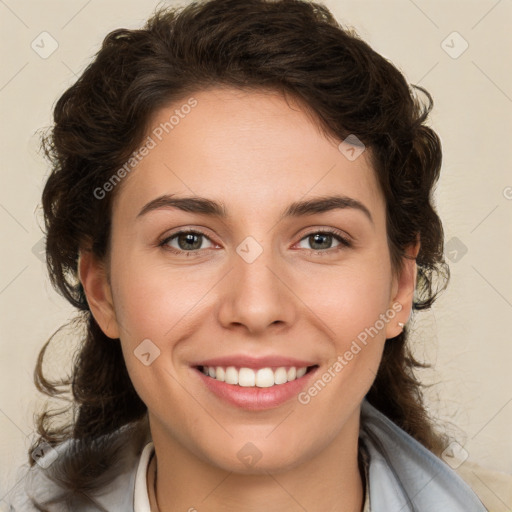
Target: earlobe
(403,291)
(93,276)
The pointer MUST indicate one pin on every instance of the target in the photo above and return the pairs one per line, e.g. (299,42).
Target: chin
(253,458)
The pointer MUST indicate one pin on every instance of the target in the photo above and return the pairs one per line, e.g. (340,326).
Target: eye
(190,242)
(322,240)
(185,242)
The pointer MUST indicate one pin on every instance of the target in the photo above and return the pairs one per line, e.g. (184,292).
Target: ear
(93,276)
(403,290)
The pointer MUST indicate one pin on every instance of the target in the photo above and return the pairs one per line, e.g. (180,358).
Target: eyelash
(344,242)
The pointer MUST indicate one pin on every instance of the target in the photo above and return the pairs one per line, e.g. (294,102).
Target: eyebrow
(202,205)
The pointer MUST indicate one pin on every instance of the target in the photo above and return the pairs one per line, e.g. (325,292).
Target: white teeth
(220,374)
(248,378)
(264,378)
(301,372)
(231,375)
(280,376)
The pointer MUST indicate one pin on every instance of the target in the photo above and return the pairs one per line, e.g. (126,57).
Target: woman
(240,207)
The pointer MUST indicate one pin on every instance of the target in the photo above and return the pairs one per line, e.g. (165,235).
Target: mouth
(266,377)
(255,388)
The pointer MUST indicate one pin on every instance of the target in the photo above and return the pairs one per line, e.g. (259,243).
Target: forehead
(250,149)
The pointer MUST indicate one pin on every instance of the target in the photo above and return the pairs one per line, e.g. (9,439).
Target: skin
(256,153)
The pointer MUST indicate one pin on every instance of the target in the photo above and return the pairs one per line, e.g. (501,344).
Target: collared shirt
(141,494)
(364,460)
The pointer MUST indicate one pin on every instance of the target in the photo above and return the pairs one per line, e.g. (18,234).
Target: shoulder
(405,475)
(80,476)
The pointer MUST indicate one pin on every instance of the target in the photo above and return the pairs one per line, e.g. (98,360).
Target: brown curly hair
(292,46)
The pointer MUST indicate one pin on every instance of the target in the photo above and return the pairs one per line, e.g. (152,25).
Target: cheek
(350,298)
(355,308)
(151,300)
(358,308)
(157,309)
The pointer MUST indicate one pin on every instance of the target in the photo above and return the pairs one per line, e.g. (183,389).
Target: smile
(251,377)
(257,388)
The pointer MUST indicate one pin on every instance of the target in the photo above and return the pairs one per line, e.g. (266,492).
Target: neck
(330,481)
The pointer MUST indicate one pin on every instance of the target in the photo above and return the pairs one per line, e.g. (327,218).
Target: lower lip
(254,398)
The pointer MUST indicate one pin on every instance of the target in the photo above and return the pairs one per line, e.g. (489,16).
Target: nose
(256,295)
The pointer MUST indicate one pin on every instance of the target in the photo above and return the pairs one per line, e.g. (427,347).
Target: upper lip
(245,361)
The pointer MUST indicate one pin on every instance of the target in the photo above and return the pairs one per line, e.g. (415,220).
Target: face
(258,285)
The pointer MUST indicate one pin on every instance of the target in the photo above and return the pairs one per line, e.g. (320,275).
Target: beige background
(466,336)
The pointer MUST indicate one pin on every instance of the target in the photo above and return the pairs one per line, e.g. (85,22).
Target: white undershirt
(140,496)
